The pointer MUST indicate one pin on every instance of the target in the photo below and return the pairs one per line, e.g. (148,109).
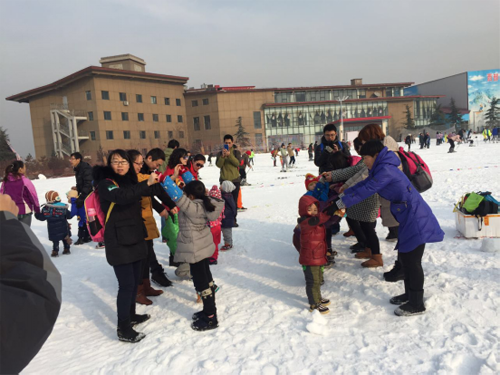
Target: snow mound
(41,177)
(491,245)
(318,324)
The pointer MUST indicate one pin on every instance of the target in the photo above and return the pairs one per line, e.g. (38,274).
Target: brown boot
(375,261)
(349,233)
(140,298)
(148,290)
(367,254)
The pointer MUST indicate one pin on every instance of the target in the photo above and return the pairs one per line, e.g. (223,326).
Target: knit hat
(215,192)
(52,196)
(72,194)
(227,186)
(309,179)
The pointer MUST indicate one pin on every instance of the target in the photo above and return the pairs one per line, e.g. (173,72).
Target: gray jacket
(195,241)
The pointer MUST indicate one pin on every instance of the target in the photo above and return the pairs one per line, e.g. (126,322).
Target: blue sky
(263,43)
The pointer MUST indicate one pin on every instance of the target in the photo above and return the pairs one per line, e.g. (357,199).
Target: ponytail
(13,169)
(208,204)
(197,190)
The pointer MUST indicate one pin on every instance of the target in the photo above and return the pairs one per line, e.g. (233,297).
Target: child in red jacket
(313,250)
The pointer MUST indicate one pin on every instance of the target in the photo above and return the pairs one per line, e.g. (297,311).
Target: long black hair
(124,155)
(133,154)
(198,191)
(13,168)
(176,156)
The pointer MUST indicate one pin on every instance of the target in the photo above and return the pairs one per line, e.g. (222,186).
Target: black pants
(412,266)
(358,232)
(55,245)
(146,262)
(292,160)
(452,145)
(154,265)
(372,241)
(128,278)
(235,194)
(243,173)
(202,277)
(83,232)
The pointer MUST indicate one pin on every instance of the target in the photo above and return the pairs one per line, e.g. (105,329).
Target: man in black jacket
(30,291)
(83,175)
(329,144)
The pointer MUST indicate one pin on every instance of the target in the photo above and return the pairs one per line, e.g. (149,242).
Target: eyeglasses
(199,165)
(140,164)
(121,162)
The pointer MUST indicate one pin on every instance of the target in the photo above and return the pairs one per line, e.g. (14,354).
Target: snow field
(264,323)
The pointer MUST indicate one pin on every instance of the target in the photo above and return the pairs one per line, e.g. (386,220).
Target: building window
(153,100)
(388,92)
(90,115)
(88,95)
(142,134)
(169,118)
(126,134)
(157,134)
(138,98)
(196,122)
(170,134)
(257,124)
(167,101)
(109,134)
(92,135)
(205,101)
(140,117)
(208,126)
(179,118)
(181,134)
(124,116)
(258,140)
(155,117)
(194,103)
(178,102)
(123,96)
(107,115)
(105,95)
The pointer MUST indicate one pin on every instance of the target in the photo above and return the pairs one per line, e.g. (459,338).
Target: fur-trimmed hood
(100,173)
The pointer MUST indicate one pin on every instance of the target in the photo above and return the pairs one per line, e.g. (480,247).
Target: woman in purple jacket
(417,223)
(21,190)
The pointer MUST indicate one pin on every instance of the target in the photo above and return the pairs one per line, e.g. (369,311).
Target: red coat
(312,234)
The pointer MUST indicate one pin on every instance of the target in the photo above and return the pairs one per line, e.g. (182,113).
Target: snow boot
(226,247)
(399,300)
(54,254)
(205,323)
(161,279)
(393,234)
(79,241)
(126,333)
(66,251)
(100,245)
(141,298)
(375,261)
(138,319)
(349,233)
(322,309)
(397,273)
(324,301)
(357,247)
(148,290)
(414,306)
(367,254)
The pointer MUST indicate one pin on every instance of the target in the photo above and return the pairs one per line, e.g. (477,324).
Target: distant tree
(492,115)
(438,117)
(410,122)
(241,135)
(455,117)
(6,153)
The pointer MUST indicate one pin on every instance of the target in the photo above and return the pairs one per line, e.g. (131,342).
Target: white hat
(228,186)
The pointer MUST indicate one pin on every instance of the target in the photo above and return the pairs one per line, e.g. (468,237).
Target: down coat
(23,193)
(195,241)
(417,223)
(56,215)
(312,234)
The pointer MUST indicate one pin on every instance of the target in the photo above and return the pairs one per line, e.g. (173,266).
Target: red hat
(215,192)
(310,178)
(248,153)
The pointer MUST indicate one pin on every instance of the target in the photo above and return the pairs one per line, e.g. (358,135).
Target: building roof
(389,98)
(25,96)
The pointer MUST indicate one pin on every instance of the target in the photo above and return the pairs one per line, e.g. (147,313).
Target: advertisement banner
(482,86)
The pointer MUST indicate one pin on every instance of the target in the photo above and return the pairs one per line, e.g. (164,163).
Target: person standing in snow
(329,144)
(228,161)
(83,176)
(417,223)
(227,224)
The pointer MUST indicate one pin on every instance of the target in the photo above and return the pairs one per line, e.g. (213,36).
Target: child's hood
(304,203)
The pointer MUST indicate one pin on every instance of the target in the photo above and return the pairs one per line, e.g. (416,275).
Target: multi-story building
(97,109)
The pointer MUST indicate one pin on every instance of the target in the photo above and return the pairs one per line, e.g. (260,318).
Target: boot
(367,254)
(204,323)
(161,279)
(148,290)
(80,241)
(415,305)
(349,233)
(138,319)
(126,333)
(397,273)
(375,261)
(399,300)
(140,298)
(357,247)
(322,309)
(393,234)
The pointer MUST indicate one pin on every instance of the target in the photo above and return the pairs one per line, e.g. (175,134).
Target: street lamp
(341,99)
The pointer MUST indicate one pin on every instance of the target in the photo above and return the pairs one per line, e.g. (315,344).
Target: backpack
(480,204)
(96,219)
(416,170)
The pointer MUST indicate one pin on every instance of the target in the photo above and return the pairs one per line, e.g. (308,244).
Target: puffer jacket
(23,193)
(321,154)
(229,211)
(83,175)
(229,166)
(56,215)
(312,234)
(195,241)
(417,223)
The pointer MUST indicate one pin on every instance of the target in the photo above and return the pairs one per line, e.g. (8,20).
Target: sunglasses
(185,157)
(199,165)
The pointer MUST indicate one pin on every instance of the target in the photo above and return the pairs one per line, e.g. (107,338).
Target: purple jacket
(22,191)
(417,223)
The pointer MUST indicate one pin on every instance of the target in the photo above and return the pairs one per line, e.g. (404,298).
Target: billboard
(482,86)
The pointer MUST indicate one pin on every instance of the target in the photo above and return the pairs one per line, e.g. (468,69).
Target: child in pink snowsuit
(215,226)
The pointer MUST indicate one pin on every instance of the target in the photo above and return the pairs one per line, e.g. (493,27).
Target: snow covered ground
(265,326)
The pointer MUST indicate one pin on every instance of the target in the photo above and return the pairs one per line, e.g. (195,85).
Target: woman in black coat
(125,233)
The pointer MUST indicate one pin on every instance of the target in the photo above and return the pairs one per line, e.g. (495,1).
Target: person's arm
(40,216)
(30,293)
(87,181)
(234,159)
(357,178)
(321,157)
(346,173)
(113,193)
(220,160)
(219,206)
(158,191)
(31,195)
(74,209)
(366,188)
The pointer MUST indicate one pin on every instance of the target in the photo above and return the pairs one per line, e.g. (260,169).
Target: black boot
(161,279)
(357,247)
(393,234)
(397,273)
(139,318)
(399,300)
(204,323)
(415,305)
(126,333)
(171,262)
(204,320)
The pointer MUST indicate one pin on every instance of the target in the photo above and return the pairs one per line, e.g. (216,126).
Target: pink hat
(215,192)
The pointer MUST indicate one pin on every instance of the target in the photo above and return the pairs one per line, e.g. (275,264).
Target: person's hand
(327,176)
(7,204)
(153,179)
(174,210)
(343,188)
(331,209)
(335,147)
(177,171)
(329,149)
(164,214)
(225,153)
